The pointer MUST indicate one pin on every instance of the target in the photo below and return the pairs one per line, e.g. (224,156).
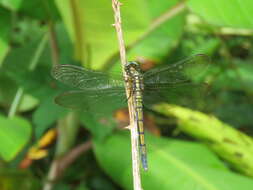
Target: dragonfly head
(132,68)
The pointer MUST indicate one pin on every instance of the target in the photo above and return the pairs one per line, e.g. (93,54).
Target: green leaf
(61,186)
(27,103)
(42,10)
(229,143)
(4,33)
(173,164)
(46,114)
(236,14)
(82,186)
(14,134)
(4,49)
(7,88)
(11,4)
(232,103)
(165,37)
(99,126)
(240,78)
(89,26)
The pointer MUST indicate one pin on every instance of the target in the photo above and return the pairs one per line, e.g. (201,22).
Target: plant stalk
(133,124)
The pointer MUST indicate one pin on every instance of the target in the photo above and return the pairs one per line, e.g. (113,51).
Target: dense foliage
(205,146)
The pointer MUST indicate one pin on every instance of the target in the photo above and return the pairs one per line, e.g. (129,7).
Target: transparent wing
(178,73)
(82,78)
(177,83)
(93,100)
(185,94)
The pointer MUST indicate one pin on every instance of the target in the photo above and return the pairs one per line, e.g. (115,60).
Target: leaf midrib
(182,166)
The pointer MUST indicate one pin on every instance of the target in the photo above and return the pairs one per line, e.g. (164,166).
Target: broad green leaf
(14,134)
(236,14)
(4,33)
(4,49)
(165,37)
(7,90)
(28,102)
(89,25)
(228,102)
(41,10)
(229,143)
(226,77)
(173,164)
(206,46)
(37,83)
(46,114)
(99,126)
(11,4)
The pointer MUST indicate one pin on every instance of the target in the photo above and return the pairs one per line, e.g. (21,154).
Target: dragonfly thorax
(134,76)
(132,69)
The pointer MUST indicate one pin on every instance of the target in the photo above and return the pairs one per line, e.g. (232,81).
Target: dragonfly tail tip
(144,162)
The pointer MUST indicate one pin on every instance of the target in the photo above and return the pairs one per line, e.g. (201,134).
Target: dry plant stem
(72,155)
(51,175)
(53,44)
(133,125)
(59,165)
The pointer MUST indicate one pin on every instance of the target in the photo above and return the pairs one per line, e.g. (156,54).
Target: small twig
(178,8)
(72,155)
(53,44)
(60,164)
(133,125)
(175,10)
(51,176)
(171,13)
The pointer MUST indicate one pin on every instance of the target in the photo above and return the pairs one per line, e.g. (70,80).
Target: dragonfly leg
(130,94)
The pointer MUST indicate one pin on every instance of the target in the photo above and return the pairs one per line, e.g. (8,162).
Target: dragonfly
(93,90)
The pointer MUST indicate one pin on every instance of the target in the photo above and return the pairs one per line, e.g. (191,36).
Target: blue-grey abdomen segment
(143,153)
(139,120)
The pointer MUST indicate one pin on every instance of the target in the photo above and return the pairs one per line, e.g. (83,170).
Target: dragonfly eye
(132,67)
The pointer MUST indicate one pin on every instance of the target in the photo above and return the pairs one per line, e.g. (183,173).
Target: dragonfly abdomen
(135,83)
(138,105)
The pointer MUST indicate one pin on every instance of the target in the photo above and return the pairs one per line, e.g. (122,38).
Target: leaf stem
(77,25)
(16,101)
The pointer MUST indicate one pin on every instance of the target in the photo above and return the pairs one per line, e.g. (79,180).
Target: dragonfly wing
(82,78)
(93,100)
(178,73)
(176,83)
(186,94)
